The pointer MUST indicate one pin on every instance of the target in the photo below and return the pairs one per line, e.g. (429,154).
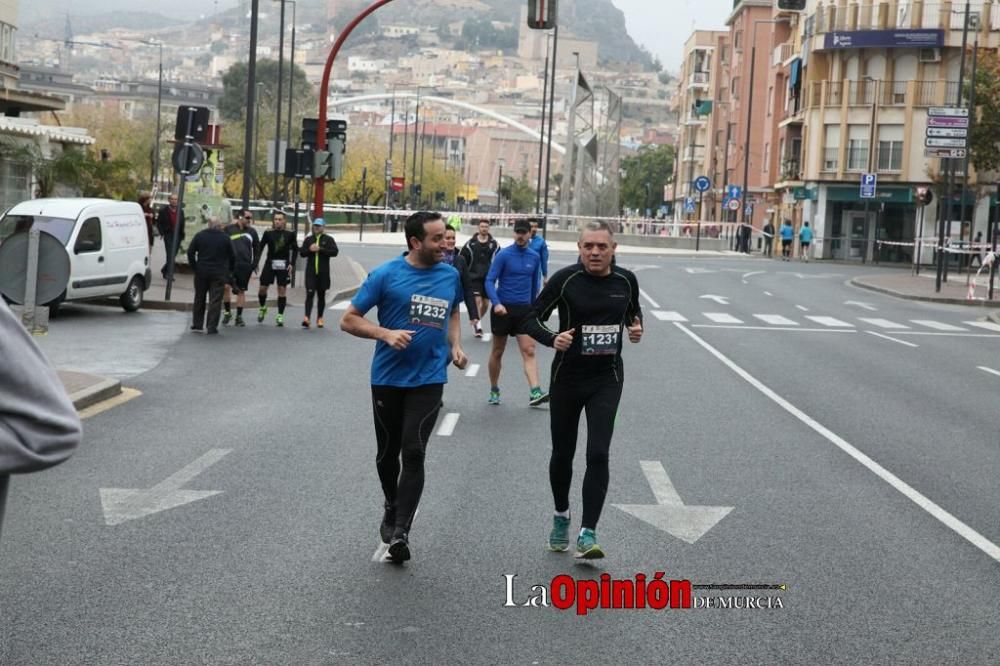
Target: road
(848,439)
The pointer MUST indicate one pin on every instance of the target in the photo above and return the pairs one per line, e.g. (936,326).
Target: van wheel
(131,300)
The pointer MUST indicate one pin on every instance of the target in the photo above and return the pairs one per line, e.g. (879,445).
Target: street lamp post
(277,102)
(868,248)
(548,150)
(291,85)
(249,151)
(500,187)
(256,141)
(743,235)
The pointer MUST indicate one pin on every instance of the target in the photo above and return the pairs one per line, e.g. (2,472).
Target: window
(724,54)
(770,101)
(738,41)
(89,239)
(857,147)
(890,148)
(831,153)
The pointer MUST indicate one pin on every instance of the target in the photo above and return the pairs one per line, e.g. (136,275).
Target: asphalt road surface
(845,444)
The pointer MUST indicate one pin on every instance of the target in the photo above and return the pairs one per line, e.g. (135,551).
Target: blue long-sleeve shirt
(539,245)
(517,270)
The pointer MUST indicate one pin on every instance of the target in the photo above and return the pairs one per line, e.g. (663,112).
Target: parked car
(106,240)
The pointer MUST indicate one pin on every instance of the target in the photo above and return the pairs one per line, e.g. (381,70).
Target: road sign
(869,185)
(945,143)
(734,204)
(947,132)
(542,14)
(689,205)
(947,153)
(748,210)
(734,192)
(947,122)
(949,111)
(398,184)
(702,184)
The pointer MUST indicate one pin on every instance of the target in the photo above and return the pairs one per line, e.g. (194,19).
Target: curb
(103,390)
(927,299)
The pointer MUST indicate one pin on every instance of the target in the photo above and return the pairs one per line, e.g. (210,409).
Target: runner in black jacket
(598,304)
(478,254)
(282,250)
(246,245)
(458,261)
(318,249)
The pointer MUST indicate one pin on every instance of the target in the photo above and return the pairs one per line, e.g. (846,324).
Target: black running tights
(404,421)
(600,398)
(320,302)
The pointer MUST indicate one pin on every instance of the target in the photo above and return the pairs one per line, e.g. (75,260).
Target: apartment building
(702,100)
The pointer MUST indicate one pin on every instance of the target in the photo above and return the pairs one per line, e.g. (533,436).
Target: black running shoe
(399,549)
(388,523)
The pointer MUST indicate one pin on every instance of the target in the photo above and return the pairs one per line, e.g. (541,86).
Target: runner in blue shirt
(787,238)
(516,269)
(805,241)
(538,244)
(418,334)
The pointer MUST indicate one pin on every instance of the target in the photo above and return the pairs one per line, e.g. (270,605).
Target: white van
(107,242)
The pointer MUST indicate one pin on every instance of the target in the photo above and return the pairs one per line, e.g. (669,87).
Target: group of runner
(418,296)
(224,270)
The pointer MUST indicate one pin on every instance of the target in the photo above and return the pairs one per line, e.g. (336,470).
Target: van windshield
(59,227)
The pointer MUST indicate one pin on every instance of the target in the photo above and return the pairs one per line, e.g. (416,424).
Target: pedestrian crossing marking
(722,318)
(884,323)
(832,322)
(938,326)
(776,320)
(988,325)
(663,315)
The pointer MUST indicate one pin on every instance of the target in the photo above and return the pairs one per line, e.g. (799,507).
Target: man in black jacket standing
(478,254)
(318,249)
(212,259)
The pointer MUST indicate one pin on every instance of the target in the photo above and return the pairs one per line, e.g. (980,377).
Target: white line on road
(651,301)
(462,308)
(473,370)
(767,293)
(381,553)
(829,321)
(340,305)
(776,320)
(747,276)
(950,521)
(448,424)
(988,325)
(886,337)
(939,326)
(664,315)
(884,323)
(949,335)
(778,328)
(803,308)
(990,370)
(487,337)
(722,318)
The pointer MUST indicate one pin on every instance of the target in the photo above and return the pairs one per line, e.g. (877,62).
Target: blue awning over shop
(796,73)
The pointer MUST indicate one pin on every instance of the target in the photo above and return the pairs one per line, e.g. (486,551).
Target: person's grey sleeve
(39,427)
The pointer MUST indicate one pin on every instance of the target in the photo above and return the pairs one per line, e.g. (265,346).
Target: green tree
(652,166)
(518,193)
(232,104)
(983,140)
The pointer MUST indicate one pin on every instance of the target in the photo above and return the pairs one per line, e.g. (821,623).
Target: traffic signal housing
(791,5)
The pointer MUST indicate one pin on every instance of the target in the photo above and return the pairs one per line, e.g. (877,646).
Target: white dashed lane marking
(722,318)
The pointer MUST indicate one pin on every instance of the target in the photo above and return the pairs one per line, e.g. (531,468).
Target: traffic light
(321,163)
(924,196)
(333,129)
(792,5)
(542,14)
(197,116)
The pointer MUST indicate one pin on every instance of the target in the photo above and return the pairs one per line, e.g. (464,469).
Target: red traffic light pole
(324,92)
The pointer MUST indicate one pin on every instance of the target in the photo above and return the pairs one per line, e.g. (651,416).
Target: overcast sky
(662,26)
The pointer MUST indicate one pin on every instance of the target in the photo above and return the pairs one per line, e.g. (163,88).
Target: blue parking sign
(689,205)
(869,185)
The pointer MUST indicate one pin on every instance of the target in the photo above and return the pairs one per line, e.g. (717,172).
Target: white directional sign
(670,514)
(949,153)
(945,143)
(952,111)
(947,132)
(124,504)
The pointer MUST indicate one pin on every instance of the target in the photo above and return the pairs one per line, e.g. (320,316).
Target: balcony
(782,54)
(698,80)
(791,168)
(886,15)
(890,93)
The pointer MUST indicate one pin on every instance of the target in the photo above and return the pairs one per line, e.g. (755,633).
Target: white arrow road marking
(651,301)
(663,315)
(721,300)
(865,306)
(747,276)
(669,514)
(448,424)
(888,337)
(990,370)
(884,323)
(473,370)
(950,521)
(124,504)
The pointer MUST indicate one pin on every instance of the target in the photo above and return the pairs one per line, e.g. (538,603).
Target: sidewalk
(346,276)
(923,288)
(86,390)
